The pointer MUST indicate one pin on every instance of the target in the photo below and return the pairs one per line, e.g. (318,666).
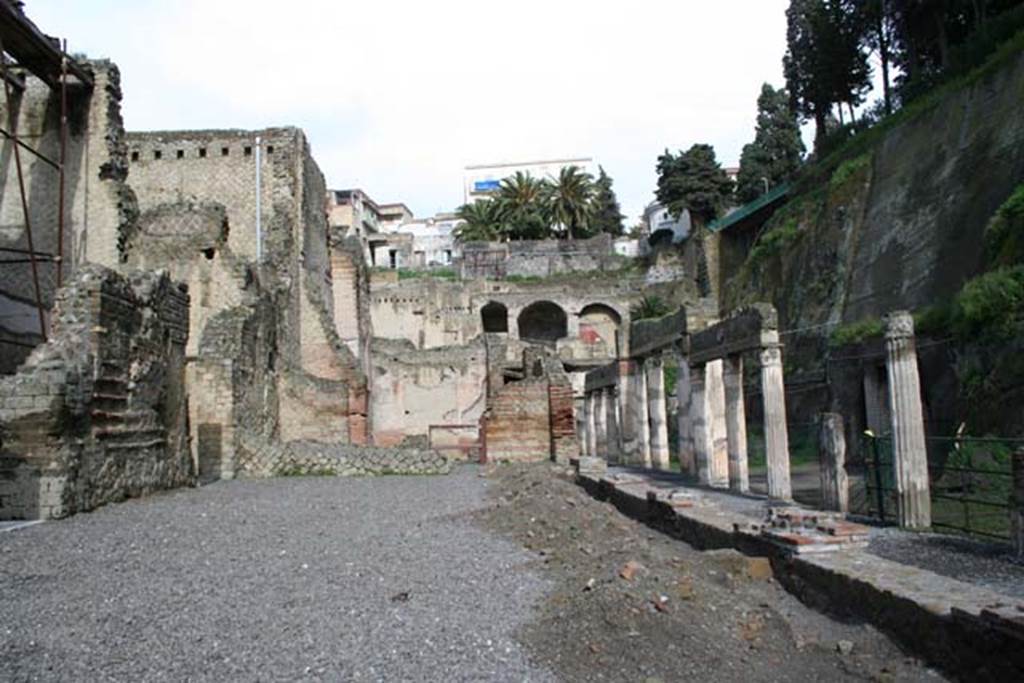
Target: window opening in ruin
(248,151)
(495,317)
(135,156)
(208,253)
(392,258)
(181,154)
(224,151)
(157,154)
(202,152)
(543,321)
(270,149)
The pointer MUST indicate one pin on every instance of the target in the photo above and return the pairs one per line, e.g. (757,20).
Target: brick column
(776,439)
(658,412)
(642,416)
(835,488)
(736,423)
(910,454)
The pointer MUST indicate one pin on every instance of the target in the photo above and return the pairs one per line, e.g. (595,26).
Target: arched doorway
(494,316)
(543,321)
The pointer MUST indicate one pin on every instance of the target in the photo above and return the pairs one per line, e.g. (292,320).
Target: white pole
(259,224)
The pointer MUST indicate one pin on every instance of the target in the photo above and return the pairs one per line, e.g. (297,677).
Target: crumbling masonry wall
(98,413)
(99,206)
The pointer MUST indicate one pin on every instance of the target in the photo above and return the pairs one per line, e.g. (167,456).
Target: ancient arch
(599,323)
(494,316)
(543,321)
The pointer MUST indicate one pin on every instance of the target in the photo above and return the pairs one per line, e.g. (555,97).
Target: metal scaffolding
(24,48)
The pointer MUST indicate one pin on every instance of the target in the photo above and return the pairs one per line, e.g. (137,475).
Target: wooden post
(910,454)
(835,487)
(736,424)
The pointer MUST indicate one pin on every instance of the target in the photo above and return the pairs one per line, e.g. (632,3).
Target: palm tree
(482,223)
(570,199)
(522,208)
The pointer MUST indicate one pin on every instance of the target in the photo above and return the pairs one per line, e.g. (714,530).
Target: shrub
(775,241)
(990,305)
(649,307)
(1004,235)
(854,333)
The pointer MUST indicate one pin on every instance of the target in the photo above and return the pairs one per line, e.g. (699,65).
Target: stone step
(114,433)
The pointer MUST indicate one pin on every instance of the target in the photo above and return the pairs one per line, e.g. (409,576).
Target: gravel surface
(991,565)
(678,613)
(293,578)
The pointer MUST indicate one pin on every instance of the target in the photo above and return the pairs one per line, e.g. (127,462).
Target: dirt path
(632,604)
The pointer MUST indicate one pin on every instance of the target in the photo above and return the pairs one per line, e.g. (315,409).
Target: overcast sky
(398,96)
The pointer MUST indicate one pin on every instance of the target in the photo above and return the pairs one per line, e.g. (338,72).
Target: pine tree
(607,216)
(693,181)
(774,155)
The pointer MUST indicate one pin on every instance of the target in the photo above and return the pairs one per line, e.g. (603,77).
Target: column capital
(899,325)
(770,355)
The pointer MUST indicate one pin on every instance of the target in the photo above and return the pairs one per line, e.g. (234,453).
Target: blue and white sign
(486,185)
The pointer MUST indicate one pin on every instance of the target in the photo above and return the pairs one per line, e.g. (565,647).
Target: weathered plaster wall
(414,390)
(537,258)
(98,413)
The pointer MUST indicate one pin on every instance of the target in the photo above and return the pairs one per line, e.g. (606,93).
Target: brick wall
(516,426)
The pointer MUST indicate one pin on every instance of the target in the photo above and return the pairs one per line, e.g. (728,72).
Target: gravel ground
(991,565)
(681,614)
(282,579)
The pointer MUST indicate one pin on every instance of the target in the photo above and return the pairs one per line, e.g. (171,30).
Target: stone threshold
(967,630)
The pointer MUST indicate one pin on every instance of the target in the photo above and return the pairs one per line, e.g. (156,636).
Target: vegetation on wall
(648,308)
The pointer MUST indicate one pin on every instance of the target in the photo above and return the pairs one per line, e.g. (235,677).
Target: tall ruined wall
(99,207)
(265,339)
(98,413)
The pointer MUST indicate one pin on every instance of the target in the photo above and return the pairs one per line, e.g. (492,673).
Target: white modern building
(659,219)
(482,180)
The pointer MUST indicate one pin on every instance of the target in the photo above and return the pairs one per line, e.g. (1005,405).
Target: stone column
(642,416)
(591,437)
(909,452)
(835,488)
(611,402)
(601,424)
(776,439)
(658,411)
(684,428)
(700,421)
(1017,502)
(736,423)
(715,391)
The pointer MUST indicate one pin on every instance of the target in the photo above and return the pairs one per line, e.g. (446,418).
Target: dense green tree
(694,181)
(774,155)
(522,207)
(569,201)
(482,222)
(607,216)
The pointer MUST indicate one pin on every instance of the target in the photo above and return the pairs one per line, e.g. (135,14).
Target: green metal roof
(747,209)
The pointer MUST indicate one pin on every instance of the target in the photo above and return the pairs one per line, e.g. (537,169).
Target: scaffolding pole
(13,133)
